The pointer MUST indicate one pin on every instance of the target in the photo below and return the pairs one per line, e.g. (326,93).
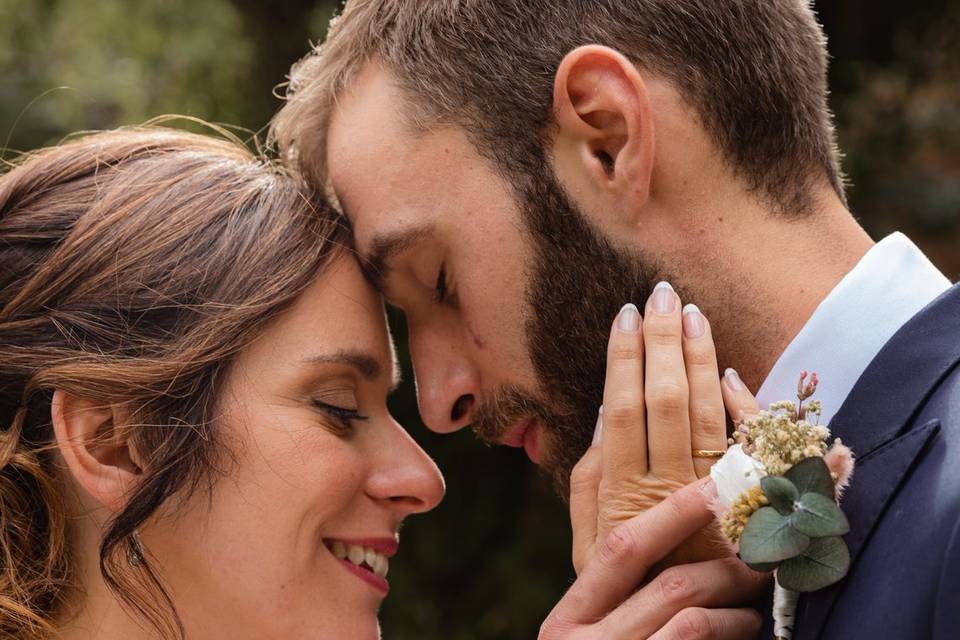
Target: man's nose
(448,382)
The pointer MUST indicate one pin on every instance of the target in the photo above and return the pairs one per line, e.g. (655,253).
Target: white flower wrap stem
(784,611)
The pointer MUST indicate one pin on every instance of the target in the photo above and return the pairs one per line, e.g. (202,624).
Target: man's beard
(579,281)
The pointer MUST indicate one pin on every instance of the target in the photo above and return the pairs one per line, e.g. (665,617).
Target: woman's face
(294,541)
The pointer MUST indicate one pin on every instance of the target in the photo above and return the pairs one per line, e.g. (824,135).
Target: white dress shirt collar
(890,284)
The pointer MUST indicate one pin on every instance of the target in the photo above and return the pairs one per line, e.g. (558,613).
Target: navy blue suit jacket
(902,421)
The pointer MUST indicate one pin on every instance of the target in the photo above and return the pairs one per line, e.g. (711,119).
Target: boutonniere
(778,489)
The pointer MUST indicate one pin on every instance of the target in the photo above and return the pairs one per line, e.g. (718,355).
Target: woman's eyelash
(346,417)
(440,291)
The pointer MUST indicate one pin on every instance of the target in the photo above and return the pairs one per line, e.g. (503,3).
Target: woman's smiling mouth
(369,559)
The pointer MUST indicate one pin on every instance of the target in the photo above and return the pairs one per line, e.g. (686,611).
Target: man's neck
(781,271)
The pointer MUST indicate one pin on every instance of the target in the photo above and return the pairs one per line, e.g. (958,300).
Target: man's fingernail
(598,430)
(733,379)
(664,300)
(693,324)
(628,320)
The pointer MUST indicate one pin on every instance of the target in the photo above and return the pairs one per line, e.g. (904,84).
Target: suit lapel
(877,478)
(876,421)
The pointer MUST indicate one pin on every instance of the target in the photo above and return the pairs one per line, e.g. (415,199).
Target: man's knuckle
(675,586)
(620,543)
(692,624)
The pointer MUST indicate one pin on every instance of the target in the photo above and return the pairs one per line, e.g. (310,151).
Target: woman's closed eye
(345,417)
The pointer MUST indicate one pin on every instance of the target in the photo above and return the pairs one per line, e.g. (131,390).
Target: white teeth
(357,555)
(382,567)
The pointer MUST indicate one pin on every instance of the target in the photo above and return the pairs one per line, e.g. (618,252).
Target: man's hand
(702,600)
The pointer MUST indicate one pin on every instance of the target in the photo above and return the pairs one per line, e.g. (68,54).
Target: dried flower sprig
(783,436)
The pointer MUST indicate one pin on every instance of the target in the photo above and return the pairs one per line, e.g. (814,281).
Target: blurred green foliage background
(494,558)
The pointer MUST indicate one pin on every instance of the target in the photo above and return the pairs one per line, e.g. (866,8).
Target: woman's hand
(703,600)
(663,399)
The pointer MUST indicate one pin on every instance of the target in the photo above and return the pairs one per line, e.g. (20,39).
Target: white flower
(734,474)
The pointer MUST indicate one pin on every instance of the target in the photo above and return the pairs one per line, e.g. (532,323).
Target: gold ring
(708,453)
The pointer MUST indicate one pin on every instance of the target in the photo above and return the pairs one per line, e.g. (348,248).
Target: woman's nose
(406,477)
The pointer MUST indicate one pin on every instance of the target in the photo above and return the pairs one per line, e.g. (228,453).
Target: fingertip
(663,300)
(694,497)
(732,379)
(694,322)
(628,319)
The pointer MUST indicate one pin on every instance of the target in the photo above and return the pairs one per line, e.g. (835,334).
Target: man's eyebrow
(376,264)
(365,364)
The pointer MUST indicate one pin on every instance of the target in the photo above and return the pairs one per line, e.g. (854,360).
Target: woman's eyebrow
(363,363)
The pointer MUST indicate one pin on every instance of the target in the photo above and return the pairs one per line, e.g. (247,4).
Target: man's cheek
(478,342)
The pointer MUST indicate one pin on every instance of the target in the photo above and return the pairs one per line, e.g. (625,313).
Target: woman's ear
(604,139)
(95,448)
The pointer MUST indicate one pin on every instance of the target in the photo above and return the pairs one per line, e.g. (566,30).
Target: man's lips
(525,434)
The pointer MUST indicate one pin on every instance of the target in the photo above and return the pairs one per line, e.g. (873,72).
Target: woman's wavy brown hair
(134,266)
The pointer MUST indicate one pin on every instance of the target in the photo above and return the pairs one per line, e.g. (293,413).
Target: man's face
(508,298)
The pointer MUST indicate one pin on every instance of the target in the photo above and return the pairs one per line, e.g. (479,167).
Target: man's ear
(95,448)
(605,125)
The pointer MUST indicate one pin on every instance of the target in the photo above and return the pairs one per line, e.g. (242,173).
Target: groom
(515,170)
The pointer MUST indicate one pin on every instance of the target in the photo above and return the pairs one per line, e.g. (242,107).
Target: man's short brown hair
(754,70)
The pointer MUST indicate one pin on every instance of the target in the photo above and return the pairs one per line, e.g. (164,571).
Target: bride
(194,437)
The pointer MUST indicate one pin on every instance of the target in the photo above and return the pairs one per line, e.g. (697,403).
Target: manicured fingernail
(598,430)
(664,300)
(733,379)
(628,320)
(693,324)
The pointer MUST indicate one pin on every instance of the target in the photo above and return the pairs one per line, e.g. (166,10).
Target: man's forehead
(366,128)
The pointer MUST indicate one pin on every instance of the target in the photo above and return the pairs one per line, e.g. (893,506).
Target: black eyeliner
(347,416)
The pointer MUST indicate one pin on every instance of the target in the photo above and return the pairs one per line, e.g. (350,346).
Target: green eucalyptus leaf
(811,476)
(763,567)
(823,563)
(819,517)
(770,537)
(780,492)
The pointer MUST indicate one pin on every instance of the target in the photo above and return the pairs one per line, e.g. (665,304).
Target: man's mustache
(502,409)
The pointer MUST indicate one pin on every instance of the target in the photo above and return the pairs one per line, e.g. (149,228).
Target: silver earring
(135,552)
